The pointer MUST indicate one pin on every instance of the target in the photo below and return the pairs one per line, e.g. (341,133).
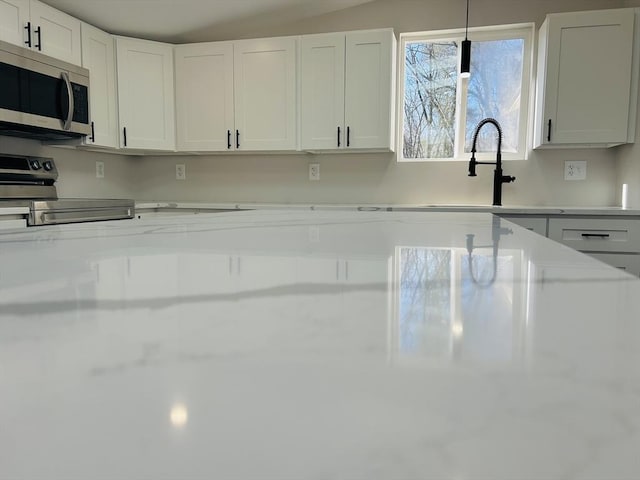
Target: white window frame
(499,32)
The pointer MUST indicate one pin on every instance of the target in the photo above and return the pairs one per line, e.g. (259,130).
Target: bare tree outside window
(430,99)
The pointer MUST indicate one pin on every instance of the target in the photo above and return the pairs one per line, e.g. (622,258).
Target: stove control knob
(35,165)
(47,165)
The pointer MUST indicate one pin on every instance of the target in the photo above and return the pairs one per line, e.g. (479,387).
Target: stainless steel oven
(30,181)
(42,97)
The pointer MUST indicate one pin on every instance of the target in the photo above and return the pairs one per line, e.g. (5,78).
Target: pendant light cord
(465,56)
(466,30)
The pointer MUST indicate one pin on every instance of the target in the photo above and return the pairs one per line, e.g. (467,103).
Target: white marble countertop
(314,345)
(506,210)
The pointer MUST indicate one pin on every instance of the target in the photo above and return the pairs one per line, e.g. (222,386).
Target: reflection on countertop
(317,344)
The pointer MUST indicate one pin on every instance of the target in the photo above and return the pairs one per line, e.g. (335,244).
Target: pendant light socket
(465,63)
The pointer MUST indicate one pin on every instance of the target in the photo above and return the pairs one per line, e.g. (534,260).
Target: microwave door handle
(67,121)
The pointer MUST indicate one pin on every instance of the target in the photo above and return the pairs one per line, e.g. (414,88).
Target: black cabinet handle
(28,29)
(338,136)
(237,139)
(597,235)
(549,131)
(348,136)
(124,135)
(39,45)
(229,139)
(93,133)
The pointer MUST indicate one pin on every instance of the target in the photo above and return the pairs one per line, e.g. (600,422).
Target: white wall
(375,178)
(360,178)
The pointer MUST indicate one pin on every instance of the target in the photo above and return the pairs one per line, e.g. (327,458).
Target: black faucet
(498,177)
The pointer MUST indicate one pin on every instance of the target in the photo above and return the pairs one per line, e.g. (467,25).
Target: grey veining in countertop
(314,344)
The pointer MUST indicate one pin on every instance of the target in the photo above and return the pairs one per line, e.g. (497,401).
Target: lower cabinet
(629,262)
(613,240)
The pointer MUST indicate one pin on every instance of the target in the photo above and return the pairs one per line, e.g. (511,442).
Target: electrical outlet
(575,170)
(314,171)
(99,169)
(181,172)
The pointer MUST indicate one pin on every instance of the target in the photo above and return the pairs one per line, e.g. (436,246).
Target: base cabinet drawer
(629,262)
(596,234)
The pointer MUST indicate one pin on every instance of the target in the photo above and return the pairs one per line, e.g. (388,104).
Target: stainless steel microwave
(42,97)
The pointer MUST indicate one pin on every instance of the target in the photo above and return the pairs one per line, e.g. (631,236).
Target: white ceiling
(193,20)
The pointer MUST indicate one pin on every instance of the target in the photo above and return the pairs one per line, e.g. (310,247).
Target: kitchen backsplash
(375,178)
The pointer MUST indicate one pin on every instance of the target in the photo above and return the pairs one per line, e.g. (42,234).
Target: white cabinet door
(145,94)
(98,55)
(14,16)
(204,97)
(265,94)
(322,91)
(55,33)
(585,77)
(347,90)
(369,85)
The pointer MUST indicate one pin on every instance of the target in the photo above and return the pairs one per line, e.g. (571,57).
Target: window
(439,110)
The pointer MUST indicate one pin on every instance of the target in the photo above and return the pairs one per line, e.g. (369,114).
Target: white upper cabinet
(145,94)
(265,94)
(204,97)
(369,89)
(587,79)
(32,24)
(236,95)
(55,33)
(98,55)
(14,17)
(347,90)
(322,91)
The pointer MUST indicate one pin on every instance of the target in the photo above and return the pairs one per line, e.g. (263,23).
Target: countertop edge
(515,210)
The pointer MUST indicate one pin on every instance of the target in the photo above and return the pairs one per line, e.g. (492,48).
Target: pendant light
(465,64)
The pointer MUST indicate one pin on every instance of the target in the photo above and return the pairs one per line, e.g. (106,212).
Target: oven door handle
(55,217)
(66,123)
